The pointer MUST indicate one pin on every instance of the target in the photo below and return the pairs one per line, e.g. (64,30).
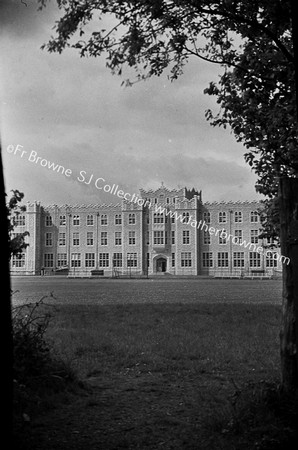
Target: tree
(16,242)
(252,42)
(6,323)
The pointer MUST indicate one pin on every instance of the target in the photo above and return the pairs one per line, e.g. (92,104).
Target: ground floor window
(271,259)
(103,260)
(89,259)
(238,259)
(173,259)
(61,259)
(76,260)
(132,260)
(185,259)
(48,260)
(117,260)
(254,259)
(207,259)
(18,260)
(223,259)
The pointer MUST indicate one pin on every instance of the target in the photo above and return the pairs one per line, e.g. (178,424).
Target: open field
(170,364)
(168,290)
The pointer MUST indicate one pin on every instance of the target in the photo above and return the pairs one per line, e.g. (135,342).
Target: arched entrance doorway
(161,264)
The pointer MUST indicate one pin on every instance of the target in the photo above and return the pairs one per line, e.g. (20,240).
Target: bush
(31,352)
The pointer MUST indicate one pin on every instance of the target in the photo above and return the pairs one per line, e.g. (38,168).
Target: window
(207,259)
(254,236)
(158,238)
(238,236)
(222,217)
(89,259)
(49,239)
(254,216)
(131,238)
(222,240)
(185,237)
(132,260)
(62,239)
(148,237)
(222,259)
(117,260)
(90,240)
(104,238)
(173,259)
(186,259)
(173,237)
(49,260)
(48,221)
(185,217)
(155,200)
(271,259)
(254,259)
(104,219)
(90,221)
(76,238)
(173,219)
(103,260)
(206,238)
(238,259)
(206,217)
(238,216)
(76,260)
(158,218)
(76,220)
(118,238)
(61,259)
(18,260)
(62,221)
(19,221)
(131,219)
(148,260)
(167,200)
(118,219)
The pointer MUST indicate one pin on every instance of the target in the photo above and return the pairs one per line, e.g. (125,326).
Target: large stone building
(161,231)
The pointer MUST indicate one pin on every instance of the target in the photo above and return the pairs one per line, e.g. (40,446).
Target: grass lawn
(168,375)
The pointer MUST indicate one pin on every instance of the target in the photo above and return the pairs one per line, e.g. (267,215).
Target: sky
(73,112)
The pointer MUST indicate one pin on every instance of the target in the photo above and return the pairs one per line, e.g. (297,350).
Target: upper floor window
(48,221)
(206,217)
(19,220)
(49,239)
(118,219)
(222,217)
(76,219)
(90,220)
(254,236)
(104,219)
(185,217)
(238,216)
(158,218)
(185,237)
(131,219)
(62,220)
(254,216)
(238,236)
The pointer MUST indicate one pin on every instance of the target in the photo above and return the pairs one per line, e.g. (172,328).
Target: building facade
(162,232)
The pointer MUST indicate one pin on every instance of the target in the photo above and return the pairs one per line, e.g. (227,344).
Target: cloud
(74,112)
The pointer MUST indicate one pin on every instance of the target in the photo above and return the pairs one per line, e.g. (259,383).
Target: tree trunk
(289,248)
(6,400)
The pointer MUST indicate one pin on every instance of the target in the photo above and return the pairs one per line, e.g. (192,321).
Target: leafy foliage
(252,41)
(16,242)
